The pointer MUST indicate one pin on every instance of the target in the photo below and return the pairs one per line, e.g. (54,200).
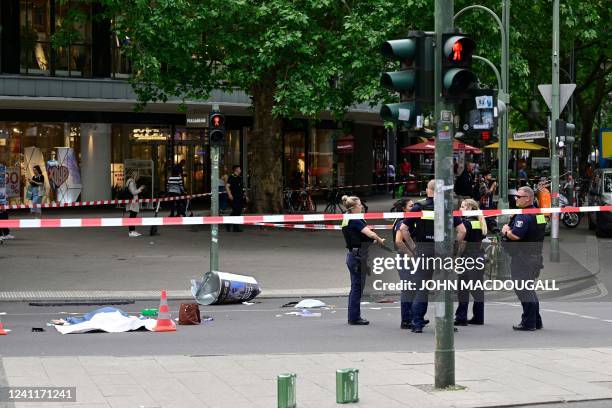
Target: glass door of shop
(155,151)
(195,158)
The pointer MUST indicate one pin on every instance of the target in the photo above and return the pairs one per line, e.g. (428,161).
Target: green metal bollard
(347,385)
(286,390)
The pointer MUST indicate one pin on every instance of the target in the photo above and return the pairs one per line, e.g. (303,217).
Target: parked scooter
(570,219)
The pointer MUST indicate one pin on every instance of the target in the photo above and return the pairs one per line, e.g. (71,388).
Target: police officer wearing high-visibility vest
(358,236)
(422,233)
(526,259)
(469,234)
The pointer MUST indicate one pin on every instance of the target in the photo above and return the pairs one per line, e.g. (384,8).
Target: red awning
(429,147)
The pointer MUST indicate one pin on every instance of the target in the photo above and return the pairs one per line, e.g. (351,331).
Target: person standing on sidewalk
(235,193)
(524,238)
(176,188)
(422,232)
(464,184)
(133,207)
(470,234)
(37,191)
(357,236)
(404,246)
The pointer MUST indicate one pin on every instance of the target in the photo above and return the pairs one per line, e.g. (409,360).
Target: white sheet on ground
(109,322)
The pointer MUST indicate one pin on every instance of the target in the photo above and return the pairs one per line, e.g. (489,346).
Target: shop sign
(197,120)
(346,144)
(149,134)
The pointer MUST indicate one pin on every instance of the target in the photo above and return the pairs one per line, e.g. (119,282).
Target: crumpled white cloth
(113,322)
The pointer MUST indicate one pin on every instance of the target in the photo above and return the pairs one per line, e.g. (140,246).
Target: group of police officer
(523,237)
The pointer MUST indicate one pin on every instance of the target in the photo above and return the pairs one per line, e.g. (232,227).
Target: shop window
(294,164)
(75,58)
(321,157)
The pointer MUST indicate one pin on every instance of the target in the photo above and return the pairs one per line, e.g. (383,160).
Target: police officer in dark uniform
(469,234)
(524,236)
(235,192)
(422,233)
(357,236)
(405,246)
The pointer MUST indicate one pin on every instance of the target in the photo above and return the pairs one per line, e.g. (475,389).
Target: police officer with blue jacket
(422,233)
(470,233)
(525,236)
(357,236)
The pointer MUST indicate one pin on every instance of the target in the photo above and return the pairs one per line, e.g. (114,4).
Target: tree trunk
(267,149)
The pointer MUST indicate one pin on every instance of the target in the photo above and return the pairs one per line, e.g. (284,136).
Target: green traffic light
(458,80)
(404,49)
(398,111)
(398,81)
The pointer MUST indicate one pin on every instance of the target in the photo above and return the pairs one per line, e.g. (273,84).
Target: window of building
(39,20)
(35,32)
(121,66)
(294,159)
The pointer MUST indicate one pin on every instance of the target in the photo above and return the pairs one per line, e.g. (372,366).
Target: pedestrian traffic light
(413,81)
(216,128)
(457,76)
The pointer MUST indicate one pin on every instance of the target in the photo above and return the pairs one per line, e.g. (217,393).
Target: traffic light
(216,128)
(566,132)
(414,79)
(457,77)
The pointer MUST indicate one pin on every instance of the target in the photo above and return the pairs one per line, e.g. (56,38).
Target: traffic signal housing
(413,81)
(216,128)
(457,76)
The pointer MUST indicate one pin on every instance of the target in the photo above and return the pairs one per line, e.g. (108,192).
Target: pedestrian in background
(235,192)
(470,234)
(464,184)
(404,245)
(523,241)
(36,191)
(223,199)
(133,207)
(175,188)
(357,236)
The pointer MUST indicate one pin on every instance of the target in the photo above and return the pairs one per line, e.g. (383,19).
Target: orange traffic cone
(2,331)
(164,321)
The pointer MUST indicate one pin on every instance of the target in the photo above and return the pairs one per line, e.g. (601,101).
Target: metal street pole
(214,205)
(444,367)
(554,153)
(503,95)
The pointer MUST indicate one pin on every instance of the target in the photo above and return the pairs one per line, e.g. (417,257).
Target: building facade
(71,110)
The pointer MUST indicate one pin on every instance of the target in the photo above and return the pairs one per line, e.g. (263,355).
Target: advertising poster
(3,196)
(66,176)
(13,182)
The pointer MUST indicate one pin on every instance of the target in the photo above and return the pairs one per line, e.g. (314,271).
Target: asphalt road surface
(267,328)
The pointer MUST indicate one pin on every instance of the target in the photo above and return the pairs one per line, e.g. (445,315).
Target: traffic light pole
(443,228)
(503,94)
(554,152)
(214,202)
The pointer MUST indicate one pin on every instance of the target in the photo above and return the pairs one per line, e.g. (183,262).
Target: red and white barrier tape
(254,219)
(99,202)
(317,226)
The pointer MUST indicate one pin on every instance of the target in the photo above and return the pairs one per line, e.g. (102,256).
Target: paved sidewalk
(389,380)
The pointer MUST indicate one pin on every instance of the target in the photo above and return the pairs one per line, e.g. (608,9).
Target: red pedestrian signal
(216,129)
(457,76)
(486,135)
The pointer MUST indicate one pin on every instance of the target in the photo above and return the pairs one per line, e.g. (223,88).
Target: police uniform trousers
(524,268)
(463,295)
(406,295)
(421,275)
(356,261)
